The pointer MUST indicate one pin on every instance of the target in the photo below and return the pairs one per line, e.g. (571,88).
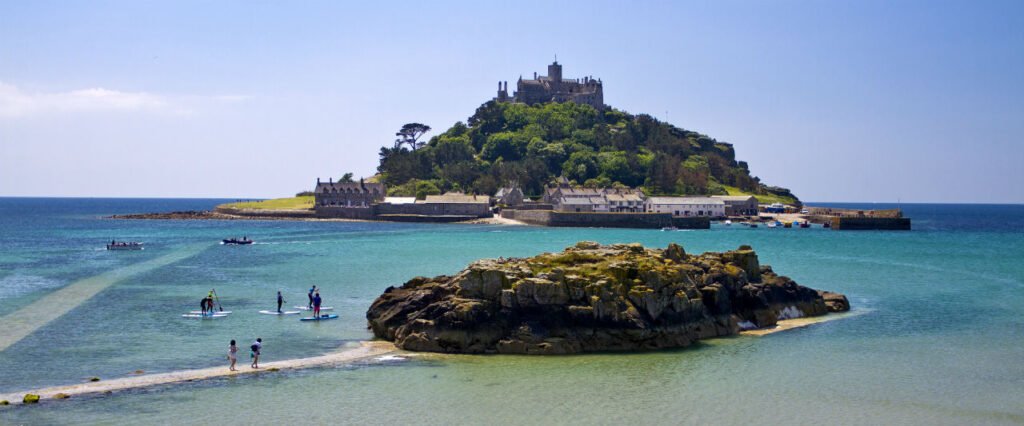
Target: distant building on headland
(348,194)
(368,201)
(554,88)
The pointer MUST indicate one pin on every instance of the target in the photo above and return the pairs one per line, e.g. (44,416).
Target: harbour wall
(846,223)
(605,220)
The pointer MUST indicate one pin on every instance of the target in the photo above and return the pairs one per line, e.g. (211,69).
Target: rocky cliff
(621,297)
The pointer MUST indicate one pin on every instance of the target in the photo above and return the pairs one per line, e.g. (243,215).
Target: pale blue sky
(839,101)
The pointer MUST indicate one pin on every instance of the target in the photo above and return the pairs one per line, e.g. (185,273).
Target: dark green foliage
(506,142)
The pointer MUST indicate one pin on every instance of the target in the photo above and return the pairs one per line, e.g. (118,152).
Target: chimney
(330,180)
(318,180)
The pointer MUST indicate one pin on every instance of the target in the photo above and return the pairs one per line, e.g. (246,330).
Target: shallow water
(940,341)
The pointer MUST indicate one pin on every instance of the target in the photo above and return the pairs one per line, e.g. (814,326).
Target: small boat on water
(805,224)
(237,241)
(727,222)
(669,228)
(753,225)
(772,224)
(124,245)
(826,225)
(787,225)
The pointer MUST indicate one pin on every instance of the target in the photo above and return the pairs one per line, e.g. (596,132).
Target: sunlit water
(940,340)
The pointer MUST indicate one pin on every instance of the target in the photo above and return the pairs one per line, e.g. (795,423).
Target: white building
(686,206)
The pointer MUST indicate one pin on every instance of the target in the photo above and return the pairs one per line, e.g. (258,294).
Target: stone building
(686,206)
(510,196)
(739,205)
(554,88)
(360,194)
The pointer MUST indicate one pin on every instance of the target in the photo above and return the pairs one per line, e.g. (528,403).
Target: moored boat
(237,241)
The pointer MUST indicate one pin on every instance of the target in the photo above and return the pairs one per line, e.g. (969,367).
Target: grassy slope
(292,203)
(761,199)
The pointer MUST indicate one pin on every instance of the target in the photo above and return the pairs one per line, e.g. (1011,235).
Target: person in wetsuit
(311,291)
(316,305)
(280,300)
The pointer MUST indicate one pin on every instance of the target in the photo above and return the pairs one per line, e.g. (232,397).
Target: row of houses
(366,200)
(370,201)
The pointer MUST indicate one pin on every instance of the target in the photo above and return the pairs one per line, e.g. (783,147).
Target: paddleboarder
(316,305)
(202,305)
(311,291)
(280,300)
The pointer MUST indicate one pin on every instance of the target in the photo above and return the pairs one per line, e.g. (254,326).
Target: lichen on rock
(592,297)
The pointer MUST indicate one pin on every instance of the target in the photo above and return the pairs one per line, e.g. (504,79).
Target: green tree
(410,135)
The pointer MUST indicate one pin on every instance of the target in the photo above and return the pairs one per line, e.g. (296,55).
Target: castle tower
(555,72)
(502,92)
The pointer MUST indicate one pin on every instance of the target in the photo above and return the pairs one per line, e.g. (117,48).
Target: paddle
(217,296)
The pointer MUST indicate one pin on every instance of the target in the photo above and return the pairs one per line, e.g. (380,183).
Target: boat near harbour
(237,241)
(124,245)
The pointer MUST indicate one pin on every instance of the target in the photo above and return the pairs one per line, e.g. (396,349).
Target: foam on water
(19,284)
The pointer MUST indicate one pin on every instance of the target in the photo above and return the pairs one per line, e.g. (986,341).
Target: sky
(861,101)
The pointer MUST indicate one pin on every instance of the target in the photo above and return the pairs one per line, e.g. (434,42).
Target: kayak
(322,317)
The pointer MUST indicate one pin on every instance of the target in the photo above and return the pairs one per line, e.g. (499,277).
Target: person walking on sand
(280,300)
(232,355)
(316,305)
(311,291)
(256,348)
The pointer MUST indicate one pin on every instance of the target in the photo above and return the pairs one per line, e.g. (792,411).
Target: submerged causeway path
(344,356)
(31,317)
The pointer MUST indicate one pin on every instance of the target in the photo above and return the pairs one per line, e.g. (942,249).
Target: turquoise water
(940,338)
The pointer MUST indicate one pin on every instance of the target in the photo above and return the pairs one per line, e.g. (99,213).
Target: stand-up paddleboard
(202,316)
(322,308)
(215,312)
(279,313)
(322,317)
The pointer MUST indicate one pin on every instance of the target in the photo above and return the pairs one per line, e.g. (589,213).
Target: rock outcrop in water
(621,297)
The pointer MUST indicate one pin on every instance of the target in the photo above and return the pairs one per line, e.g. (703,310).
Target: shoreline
(294,216)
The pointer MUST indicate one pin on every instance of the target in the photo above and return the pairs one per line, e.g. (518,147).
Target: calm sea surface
(940,337)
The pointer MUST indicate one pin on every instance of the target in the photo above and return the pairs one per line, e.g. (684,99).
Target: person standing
(280,300)
(311,291)
(202,305)
(256,348)
(316,305)
(232,355)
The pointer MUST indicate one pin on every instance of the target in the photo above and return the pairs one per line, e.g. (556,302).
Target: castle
(553,88)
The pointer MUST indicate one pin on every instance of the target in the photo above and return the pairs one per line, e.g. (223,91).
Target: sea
(936,336)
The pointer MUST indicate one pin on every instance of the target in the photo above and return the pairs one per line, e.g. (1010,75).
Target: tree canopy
(532,145)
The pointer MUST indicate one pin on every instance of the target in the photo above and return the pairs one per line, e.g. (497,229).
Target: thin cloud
(15,102)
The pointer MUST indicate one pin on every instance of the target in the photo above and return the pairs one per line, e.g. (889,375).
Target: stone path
(364,351)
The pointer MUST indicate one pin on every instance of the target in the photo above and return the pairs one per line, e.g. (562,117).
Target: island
(592,297)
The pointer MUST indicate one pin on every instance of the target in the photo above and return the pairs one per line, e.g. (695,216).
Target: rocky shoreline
(590,297)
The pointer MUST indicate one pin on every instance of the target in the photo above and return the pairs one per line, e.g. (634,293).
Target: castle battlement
(554,88)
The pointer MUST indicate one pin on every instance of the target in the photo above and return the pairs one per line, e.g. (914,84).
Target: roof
(685,200)
(583,201)
(734,197)
(349,186)
(400,200)
(458,198)
(624,197)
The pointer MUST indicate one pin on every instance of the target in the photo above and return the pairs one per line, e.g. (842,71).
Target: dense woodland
(533,145)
